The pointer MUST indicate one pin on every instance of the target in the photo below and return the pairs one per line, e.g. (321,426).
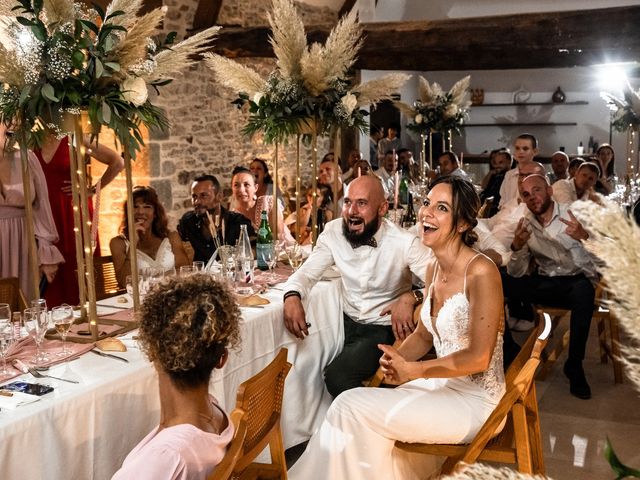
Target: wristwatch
(418,296)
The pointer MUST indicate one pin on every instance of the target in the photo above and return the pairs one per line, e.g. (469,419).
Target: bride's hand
(395,368)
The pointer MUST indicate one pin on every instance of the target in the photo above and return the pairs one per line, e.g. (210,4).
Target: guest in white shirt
(376,260)
(327,172)
(387,172)
(580,187)
(503,224)
(525,149)
(450,165)
(550,236)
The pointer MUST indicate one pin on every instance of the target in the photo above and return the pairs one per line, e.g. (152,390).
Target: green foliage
(78,71)
(620,469)
(438,116)
(287,109)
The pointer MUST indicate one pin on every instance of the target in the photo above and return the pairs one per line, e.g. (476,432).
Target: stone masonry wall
(204,136)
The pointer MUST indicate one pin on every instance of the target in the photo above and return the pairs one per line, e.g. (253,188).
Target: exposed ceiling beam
(538,40)
(147,6)
(207,14)
(346,7)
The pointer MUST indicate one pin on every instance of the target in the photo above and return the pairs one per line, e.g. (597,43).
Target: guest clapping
(186,325)
(157,247)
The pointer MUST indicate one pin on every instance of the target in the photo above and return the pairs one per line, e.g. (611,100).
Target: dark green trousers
(359,357)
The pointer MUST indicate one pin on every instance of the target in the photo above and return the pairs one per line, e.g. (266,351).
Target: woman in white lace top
(157,246)
(441,400)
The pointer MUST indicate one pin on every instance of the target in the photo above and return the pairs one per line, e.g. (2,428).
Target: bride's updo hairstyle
(466,204)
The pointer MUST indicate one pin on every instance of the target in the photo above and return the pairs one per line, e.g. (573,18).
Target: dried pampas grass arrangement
(615,239)
(234,75)
(288,38)
(380,89)
(478,471)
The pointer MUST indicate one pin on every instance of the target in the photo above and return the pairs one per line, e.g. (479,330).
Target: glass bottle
(264,242)
(244,257)
(409,218)
(403,191)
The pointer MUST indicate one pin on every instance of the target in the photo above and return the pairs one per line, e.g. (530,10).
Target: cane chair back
(10,293)
(224,469)
(105,278)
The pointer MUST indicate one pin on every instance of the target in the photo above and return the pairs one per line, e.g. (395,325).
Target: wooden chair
(485,208)
(259,399)
(224,469)
(609,344)
(105,278)
(519,442)
(10,293)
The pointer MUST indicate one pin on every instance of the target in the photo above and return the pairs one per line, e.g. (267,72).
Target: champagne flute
(62,317)
(32,322)
(6,335)
(271,258)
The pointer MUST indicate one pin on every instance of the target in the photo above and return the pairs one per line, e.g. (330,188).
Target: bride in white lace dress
(441,400)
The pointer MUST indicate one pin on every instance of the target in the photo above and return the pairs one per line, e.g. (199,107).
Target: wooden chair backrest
(260,398)
(485,208)
(224,469)
(519,378)
(10,293)
(105,278)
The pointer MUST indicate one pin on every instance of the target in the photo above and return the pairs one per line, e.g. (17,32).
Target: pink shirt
(182,452)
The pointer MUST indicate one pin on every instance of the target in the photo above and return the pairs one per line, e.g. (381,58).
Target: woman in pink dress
(186,325)
(14,244)
(55,162)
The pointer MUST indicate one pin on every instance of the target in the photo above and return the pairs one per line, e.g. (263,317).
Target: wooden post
(276,182)
(86,231)
(337,149)
(314,184)
(131,226)
(298,188)
(28,208)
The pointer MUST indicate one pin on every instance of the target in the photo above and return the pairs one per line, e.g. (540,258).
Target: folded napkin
(82,331)
(120,315)
(16,399)
(252,300)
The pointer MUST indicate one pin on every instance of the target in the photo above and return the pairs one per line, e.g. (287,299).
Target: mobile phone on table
(30,388)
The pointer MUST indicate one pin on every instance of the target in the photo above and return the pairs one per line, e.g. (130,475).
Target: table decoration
(59,59)
(626,118)
(437,111)
(310,92)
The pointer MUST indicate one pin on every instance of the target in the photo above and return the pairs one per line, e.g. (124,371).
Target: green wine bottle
(264,242)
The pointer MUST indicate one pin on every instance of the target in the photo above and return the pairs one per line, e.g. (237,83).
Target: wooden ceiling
(538,40)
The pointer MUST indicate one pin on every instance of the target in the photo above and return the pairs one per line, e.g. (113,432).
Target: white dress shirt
(372,278)
(554,252)
(509,187)
(564,191)
(388,181)
(503,224)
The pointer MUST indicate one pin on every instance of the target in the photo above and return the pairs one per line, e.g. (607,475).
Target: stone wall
(205,128)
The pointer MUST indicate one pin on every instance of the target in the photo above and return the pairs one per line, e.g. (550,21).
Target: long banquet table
(84,431)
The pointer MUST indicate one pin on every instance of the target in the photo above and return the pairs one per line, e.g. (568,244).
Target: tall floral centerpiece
(626,118)
(310,91)
(58,59)
(437,111)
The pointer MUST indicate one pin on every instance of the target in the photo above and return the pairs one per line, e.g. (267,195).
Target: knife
(102,354)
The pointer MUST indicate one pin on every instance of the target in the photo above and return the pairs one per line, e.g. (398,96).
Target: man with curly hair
(186,325)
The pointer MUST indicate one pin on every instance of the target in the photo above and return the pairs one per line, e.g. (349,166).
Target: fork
(37,374)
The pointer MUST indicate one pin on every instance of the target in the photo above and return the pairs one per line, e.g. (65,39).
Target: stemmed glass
(62,317)
(36,322)
(17,324)
(187,270)
(6,335)
(198,266)
(294,254)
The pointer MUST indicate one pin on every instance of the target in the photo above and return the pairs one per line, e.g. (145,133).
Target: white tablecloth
(85,431)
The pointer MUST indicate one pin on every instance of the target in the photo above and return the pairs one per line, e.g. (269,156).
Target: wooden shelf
(522,124)
(529,104)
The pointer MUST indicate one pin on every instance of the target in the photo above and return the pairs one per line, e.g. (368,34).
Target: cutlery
(102,354)
(37,374)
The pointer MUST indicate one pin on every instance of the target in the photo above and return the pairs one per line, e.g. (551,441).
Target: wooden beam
(538,40)
(346,7)
(147,5)
(207,14)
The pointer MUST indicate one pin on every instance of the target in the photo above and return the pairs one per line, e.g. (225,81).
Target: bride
(442,400)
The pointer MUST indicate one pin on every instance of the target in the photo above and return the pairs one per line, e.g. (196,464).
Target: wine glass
(187,270)
(17,324)
(198,266)
(6,335)
(62,317)
(294,254)
(154,275)
(36,328)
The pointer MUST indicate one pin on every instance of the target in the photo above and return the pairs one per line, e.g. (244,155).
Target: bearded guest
(194,226)
(376,260)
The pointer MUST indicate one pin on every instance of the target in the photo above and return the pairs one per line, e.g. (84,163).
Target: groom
(376,260)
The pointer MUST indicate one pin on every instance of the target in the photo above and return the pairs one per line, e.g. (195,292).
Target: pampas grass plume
(288,38)
(382,88)
(234,75)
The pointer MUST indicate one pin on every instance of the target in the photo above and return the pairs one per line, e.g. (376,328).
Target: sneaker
(578,385)
(520,324)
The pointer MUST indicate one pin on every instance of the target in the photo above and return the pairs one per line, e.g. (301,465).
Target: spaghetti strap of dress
(464,288)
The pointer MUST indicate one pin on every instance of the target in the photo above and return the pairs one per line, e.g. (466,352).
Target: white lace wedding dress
(356,439)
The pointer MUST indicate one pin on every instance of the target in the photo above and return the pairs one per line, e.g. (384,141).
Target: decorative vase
(558,96)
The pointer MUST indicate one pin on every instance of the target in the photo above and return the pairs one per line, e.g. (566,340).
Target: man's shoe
(578,385)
